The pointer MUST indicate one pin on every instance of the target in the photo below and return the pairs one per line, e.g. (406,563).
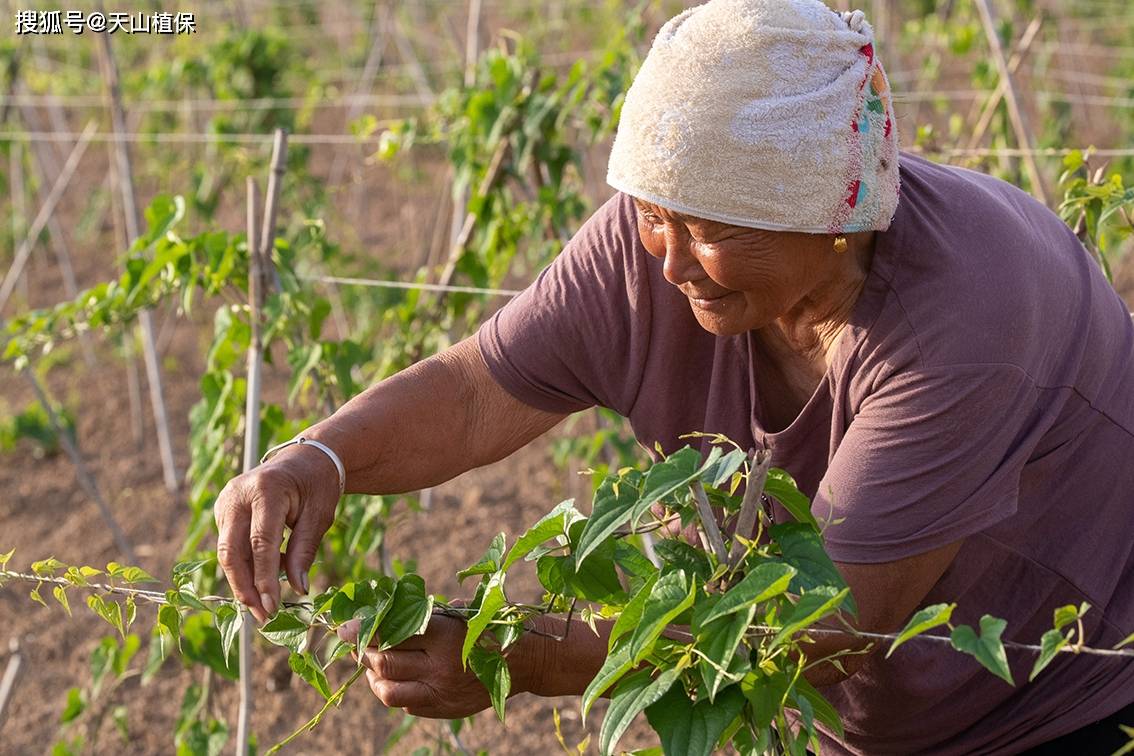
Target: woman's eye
(652,219)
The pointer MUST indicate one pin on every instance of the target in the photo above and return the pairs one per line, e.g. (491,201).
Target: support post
(84,476)
(130,211)
(45,211)
(260,267)
(1015,114)
(10,678)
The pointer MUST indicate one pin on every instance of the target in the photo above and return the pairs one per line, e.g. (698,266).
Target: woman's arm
(420,427)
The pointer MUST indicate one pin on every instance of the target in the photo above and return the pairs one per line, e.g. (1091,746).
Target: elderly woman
(946,374)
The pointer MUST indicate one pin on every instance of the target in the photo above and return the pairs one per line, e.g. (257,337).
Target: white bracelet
(318,445)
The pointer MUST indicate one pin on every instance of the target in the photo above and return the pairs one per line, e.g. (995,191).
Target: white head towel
(771,114)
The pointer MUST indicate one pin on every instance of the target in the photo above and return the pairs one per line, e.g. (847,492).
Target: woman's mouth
(708,302)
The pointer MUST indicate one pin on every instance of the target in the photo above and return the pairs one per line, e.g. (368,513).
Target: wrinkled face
(736,278)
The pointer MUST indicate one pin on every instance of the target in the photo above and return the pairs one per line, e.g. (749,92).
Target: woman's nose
(680,264)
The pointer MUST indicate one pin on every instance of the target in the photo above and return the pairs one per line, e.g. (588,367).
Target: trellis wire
(419,100)
(411,285)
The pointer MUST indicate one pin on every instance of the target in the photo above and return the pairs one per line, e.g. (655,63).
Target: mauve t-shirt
(982,390)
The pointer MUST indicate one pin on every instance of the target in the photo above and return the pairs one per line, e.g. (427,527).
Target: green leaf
(811,606)
(666,477)
(595,580)
(718,470)
(183,572)
(614,501)
(307,667)
(1050,644)
(76,704)
(60,594)
(287,630)
(925,619)
(136,575)
(633,694)
(229,620)
(693,729)
(488,563)
(1065,615)
(820,706)
(718,640)
(767,693)
(1125,641)
(554,523)
(201,643)
(47,567)
(492,602)
(782,487)
(987,648)
(670,596)
(684,556)
(617,663)
(409,612)
(802,548)
(491,669)
(370,622)
(631,613)
(5,558)
(765,581)
(110,611)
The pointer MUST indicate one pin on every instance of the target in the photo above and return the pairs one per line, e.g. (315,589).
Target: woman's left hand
(423,675)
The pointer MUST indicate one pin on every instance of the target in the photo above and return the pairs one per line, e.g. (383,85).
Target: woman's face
(737,279)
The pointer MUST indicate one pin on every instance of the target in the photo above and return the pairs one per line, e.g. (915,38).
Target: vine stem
(157,597)
(335,699)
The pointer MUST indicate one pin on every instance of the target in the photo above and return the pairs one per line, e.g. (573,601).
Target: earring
(840,244)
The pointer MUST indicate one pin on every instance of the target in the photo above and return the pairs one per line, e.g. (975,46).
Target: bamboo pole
(260,247)
(85,477)
(45,211)
(130,212)
(1015,114)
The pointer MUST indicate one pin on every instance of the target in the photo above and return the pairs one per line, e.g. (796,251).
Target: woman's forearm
(427,424)
(562,667)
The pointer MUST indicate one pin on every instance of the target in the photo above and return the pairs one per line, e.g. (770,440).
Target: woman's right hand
(298,488)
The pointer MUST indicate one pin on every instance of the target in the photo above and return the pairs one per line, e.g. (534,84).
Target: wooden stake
(85,478)
(19,202)
(750,504)
(45,211)
(259,277)
(1015,114)
(43,159)
(11,677)
(251,441)
(709,527)
(130,213)
(1014,63)
(378,35)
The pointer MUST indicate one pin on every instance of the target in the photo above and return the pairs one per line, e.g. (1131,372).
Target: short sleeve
(578,335)
(932,456)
